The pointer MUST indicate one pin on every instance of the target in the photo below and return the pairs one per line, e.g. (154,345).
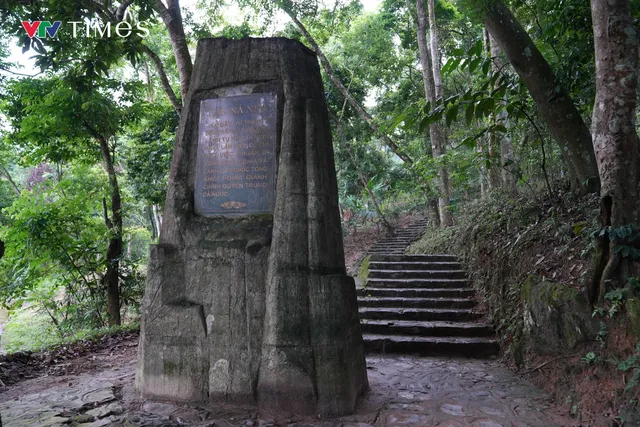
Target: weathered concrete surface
(405,391)
(259,307)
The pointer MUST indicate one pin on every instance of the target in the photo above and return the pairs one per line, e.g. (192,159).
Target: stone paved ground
(404,392)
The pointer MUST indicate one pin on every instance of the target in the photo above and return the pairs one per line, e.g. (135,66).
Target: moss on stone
(557,316)
(525,290)
(364,270)
(169,367)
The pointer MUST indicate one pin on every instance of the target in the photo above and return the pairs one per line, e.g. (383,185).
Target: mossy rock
(556,317)
(633,314)
(364,270)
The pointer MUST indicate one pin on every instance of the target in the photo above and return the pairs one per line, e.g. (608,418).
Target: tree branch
(345,92)
(163,78)
(122,9)
(7,175)
(172,18)
(19,74)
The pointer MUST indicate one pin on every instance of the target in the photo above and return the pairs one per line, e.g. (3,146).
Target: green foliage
(30,330)
(601,336)
(7,196)
(363,275)
(27,330)
(54,260)
(634,284)
(590,358)
(147,155)
(616,299)
(623,237)
(45,112)
(632,363)
(55,230)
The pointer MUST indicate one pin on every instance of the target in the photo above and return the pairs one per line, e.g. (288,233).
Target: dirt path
(404,391)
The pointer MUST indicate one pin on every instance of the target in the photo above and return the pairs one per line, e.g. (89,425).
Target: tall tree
(54,120)
(554,104)
(493,180)
(614,134)
(505,144)
(436,132)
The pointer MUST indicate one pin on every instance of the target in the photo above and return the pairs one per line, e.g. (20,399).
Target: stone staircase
(398,243)
(420,303)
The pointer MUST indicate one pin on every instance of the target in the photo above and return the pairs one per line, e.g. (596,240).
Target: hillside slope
(532,260)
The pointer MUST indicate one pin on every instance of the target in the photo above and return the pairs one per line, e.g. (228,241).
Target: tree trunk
(554,104)
(436,66)
(495,165)
(172,18)
(615,141)
(506,176)
(114,249)
(7,175)
(435,211)
(507,159)
(435,131)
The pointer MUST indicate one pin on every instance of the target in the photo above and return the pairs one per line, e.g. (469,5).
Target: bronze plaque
(236,161)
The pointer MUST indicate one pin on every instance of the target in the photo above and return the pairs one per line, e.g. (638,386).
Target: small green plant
(632,363)
(601,337)
(590,358)
(598,311)
(574,411)
(634,284)
(616,298)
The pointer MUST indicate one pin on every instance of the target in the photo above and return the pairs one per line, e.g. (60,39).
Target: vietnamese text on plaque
(235,167)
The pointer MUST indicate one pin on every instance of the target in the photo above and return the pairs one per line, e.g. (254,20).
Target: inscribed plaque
(236,161)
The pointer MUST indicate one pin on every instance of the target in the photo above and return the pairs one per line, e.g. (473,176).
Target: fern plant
(631,364)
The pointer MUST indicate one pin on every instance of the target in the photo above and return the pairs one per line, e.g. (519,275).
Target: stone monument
(247,297)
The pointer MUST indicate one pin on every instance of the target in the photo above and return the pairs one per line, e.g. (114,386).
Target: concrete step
(427,329)
(417,292)
(415,258)
(421,314)
(417,274)
(416,302)
(431,346)
(413,265)
(434,283)
(391,243)
(390,247)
